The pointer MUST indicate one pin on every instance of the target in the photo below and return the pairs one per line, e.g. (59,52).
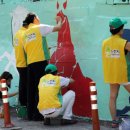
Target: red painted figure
(64,59)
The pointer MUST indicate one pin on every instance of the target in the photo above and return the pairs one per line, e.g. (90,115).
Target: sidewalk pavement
(55,124)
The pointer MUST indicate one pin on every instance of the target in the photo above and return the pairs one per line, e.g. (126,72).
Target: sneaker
(115,123)
(68,122)
(47,121)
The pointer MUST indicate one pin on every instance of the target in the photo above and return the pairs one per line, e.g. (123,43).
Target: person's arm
(64,82)
(59,24)
(12,94)
(127,46)
(47,29)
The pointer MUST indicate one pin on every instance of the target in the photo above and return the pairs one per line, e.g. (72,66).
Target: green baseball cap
(51,67)
(116,23)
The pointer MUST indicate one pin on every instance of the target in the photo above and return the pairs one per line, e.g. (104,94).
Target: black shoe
(38,117)
(47,121)
(29,118)
(68,122)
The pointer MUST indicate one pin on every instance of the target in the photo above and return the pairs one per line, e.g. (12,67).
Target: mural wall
(76,49)
(64,58)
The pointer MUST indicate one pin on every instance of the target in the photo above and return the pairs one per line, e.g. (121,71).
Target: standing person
(21,64)
(37,51)
(51,102)
(114,64)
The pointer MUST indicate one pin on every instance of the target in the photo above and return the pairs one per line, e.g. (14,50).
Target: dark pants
(35,72)
(22,85)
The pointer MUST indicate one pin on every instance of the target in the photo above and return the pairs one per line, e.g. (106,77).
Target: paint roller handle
(72,80)
(51,47)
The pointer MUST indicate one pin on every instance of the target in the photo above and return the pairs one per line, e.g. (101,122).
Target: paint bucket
(125,124)
(21,111)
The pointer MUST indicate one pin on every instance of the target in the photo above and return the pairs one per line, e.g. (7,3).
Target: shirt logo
(30,37)
(48,83)
(115,53)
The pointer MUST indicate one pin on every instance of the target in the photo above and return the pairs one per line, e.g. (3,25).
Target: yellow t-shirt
(49,92)
(114,62)
(20,55)
(35,45)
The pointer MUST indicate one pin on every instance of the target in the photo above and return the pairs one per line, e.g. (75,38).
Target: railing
(4,1)
(116,2)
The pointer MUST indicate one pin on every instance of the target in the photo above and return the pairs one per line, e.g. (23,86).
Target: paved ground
(38,125)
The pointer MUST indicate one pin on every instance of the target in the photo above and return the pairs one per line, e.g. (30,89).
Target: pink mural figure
(64,58)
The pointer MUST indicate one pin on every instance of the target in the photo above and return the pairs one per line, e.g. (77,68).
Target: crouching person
(51,102)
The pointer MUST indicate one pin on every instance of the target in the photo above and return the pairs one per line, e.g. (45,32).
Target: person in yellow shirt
(51,102)
(21,64)
(114,64)
(36,48)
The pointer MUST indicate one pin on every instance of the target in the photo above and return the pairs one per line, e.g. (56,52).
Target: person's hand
(13,94)
(58,19)
(63,21)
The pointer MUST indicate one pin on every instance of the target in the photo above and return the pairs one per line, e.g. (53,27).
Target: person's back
(114,62)
(50,91)
(35,45)
(20,55)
